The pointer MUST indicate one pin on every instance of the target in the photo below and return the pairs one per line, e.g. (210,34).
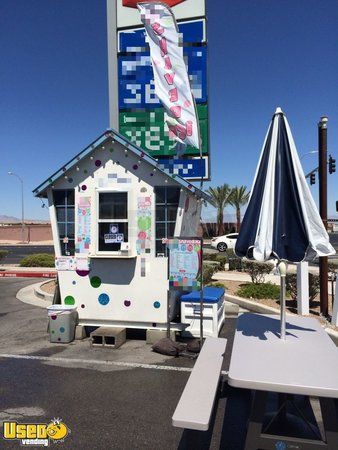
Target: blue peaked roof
(110,136)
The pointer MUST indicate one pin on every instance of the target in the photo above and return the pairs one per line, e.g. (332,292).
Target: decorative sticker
(143,243)
(65,263)
(83,225)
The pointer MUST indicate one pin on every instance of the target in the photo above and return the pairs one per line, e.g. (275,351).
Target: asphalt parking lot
(109,399)
(118,399)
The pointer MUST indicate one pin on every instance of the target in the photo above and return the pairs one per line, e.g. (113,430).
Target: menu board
(185,257)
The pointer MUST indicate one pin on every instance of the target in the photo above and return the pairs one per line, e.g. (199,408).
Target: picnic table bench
(195,406)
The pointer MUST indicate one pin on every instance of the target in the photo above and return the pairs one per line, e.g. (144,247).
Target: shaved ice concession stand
(112,208)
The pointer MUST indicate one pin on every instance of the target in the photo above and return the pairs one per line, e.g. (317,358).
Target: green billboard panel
(147,130)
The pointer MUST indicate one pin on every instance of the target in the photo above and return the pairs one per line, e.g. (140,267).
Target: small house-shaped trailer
(110,207)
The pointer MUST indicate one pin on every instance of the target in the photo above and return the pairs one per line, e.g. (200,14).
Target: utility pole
(322,175)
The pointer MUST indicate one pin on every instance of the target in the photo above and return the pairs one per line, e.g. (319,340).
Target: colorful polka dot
(74,282)
(95,282)
(135,166)
(83,306)
(54,317)
(98,163)
(70,180)
(53,332)
(104,299)
(84,187)
(85,171)
(59,339)
(69,300)
(82,273)
(127,303)
(111,150)
(62,330)
(157,305)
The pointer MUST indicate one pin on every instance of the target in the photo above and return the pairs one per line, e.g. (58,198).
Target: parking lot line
(90,361)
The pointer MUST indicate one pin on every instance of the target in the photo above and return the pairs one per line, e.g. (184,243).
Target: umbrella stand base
(259,438)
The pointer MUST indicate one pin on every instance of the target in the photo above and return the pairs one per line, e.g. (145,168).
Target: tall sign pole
(322,172)
(113,65)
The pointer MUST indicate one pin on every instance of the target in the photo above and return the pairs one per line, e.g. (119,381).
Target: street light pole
(22,206)
(322,175)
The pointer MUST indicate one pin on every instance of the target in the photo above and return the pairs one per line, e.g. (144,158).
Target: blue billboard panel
(193,168)
(134,40)
(136,79)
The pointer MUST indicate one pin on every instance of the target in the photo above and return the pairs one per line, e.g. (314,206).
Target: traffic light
(312,178)
(332,165)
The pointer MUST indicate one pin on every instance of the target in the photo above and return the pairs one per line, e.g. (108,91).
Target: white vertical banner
(172,84)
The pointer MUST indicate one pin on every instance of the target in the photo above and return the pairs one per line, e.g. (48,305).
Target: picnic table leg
(256,420)
(330,422)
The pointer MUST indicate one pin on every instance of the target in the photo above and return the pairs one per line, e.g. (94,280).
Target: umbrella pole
(282,271)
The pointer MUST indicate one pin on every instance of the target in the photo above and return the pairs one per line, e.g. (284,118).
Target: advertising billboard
(139,114)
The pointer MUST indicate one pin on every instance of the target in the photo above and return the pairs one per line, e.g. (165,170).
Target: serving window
(112,221)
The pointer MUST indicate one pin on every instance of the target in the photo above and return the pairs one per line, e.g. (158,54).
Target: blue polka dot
(157,305)
(62,330)
(104,299)
(74,282)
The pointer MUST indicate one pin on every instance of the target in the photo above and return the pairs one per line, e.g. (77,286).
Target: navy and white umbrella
(281,221)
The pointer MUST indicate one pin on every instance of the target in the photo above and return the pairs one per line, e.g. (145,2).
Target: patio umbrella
(281,221)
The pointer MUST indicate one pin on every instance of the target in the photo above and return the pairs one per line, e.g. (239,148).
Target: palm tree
(220,198)
(238,198)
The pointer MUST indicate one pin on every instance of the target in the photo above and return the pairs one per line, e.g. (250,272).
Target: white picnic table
(306,363)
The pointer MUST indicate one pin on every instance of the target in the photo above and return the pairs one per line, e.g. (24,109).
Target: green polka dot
(95,282)
(69,300)
(53,331)
(85,171)
(111,150)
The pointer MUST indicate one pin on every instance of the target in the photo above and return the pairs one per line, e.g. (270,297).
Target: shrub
(235,263)
(259,291)
(210,256)
(3,254)
(208,272)
(257,270)
(214,264)
(38,260)
(222,260)
(291,285)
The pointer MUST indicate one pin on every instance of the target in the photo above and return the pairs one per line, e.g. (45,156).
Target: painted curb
(42,294)
(18,274)
(264,309)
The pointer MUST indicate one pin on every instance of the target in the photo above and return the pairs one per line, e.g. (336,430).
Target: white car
(222,243)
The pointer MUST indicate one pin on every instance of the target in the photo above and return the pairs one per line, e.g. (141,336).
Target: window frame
(96,228)
(65,222)
(165,222)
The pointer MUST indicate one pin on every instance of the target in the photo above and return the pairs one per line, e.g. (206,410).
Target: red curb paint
(10,274)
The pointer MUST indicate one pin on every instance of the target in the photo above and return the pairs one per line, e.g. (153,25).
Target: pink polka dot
(84,187)
(98,163)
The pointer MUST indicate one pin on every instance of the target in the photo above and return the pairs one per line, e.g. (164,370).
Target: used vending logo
(41,434)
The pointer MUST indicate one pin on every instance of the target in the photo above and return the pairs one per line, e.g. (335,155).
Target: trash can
(62,322)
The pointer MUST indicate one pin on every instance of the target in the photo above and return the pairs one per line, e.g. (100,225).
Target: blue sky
(262,54)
